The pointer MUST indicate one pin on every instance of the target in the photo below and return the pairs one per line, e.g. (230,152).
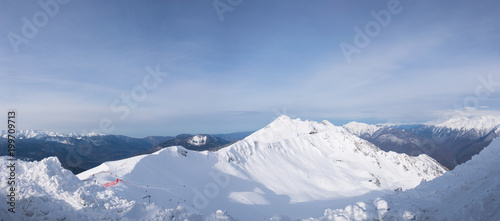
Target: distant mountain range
(450,142)
(80,152)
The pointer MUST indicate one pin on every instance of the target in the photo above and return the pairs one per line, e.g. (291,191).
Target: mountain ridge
(289,162)
(451,142)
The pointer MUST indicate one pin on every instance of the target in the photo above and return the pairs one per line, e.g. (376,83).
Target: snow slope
(293,167)
(46,191)
(469,192)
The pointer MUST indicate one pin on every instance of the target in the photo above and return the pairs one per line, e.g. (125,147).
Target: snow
(46,191)
(392,139)
(63,141)
(481,124)
(293,167)
(361,128)
(126,166)
(469,192)
(198,140)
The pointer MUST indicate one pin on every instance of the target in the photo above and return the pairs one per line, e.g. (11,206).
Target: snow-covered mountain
(469,192)
(480,124)
(451,141)
(291,167)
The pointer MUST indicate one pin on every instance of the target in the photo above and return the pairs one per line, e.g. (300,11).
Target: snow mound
(46,191)
(469,192)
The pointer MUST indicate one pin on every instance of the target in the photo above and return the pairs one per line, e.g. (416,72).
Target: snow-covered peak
(478,123)
(287,163)
(198,140)
(361,128)
(90,134)
(34,133)
(285,128)
(29,134)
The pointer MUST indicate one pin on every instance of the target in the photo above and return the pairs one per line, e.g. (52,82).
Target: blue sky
(265,58)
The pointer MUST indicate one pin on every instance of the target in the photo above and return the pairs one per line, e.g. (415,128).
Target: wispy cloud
(230,76)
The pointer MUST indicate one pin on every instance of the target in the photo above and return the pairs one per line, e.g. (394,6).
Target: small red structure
(112,183)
